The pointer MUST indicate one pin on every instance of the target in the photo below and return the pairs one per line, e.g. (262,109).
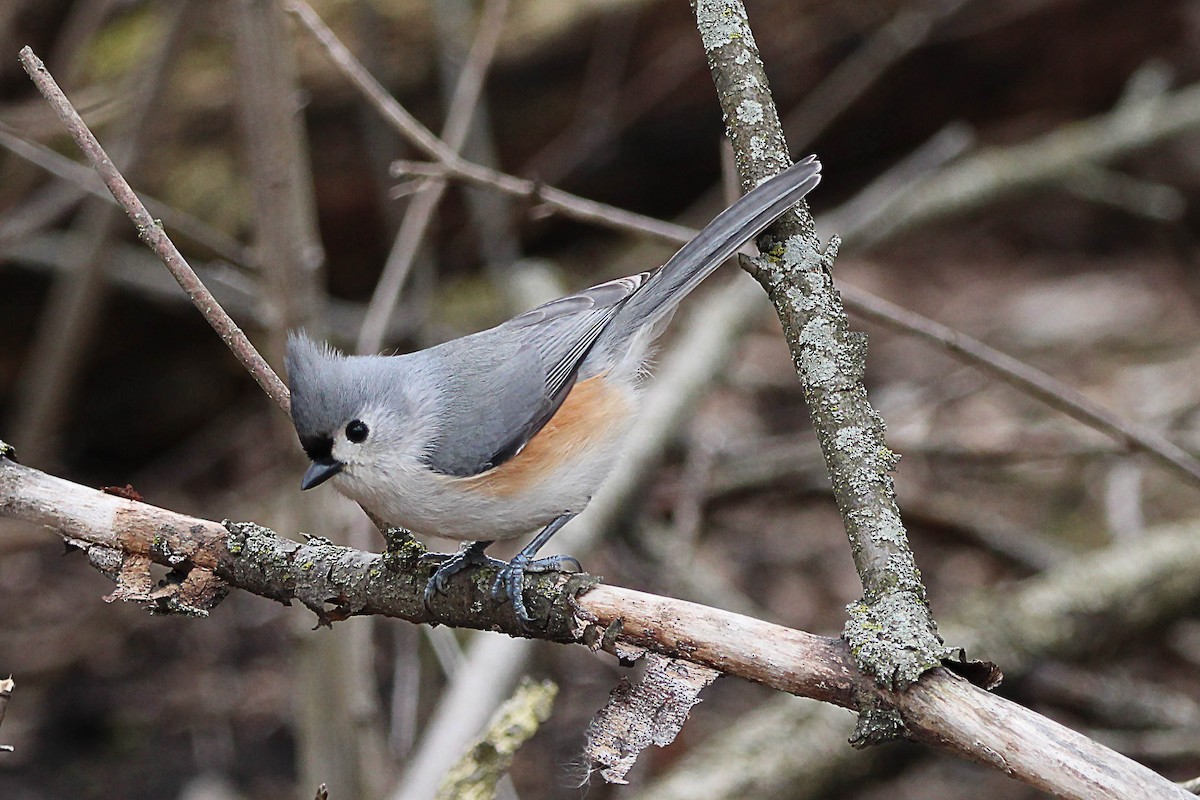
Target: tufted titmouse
(491,435)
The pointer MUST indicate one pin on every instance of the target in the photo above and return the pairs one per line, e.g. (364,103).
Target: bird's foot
(469,555)
(509,580)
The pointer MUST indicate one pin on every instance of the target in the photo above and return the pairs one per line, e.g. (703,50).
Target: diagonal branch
(1028,379)
(150,231)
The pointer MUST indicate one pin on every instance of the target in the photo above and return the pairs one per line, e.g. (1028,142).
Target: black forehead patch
(317,447)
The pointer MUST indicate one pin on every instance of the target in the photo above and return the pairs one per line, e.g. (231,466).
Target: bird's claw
(470,555)
(510,579)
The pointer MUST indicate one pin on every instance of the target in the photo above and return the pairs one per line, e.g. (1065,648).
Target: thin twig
(182,222)
(1034,382)
(569,205)
(150,231)
(459,118)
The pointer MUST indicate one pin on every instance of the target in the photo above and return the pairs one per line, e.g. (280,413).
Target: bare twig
(942,709)
(1017,373)
(420,213)
(150,231)
(183,223)
(568,204)
(68,321)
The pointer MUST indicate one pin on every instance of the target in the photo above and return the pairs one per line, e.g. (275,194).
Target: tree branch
(150,231)
(123,536)
(891,631)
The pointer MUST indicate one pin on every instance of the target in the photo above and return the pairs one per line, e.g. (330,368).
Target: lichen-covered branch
(122,536)
(891,631)
(1134,586)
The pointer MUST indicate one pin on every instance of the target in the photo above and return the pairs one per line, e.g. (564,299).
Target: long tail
(720,239)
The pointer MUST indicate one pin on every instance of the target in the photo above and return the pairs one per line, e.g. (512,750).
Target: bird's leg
(509,578)
(469,555)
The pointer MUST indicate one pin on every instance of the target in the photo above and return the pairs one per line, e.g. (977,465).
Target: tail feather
(720,239)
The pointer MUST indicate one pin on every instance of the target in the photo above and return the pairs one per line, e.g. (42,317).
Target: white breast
(556,473)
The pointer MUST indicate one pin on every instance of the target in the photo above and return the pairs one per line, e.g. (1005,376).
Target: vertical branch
(890,631)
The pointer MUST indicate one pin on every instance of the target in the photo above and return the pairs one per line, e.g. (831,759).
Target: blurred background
(1076,252)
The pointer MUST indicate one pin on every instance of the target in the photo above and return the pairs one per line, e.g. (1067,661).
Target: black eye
(357,431)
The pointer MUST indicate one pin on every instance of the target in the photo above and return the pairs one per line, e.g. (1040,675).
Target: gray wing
(504,384)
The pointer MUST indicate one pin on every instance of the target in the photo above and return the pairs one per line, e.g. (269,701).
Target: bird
(498,433)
